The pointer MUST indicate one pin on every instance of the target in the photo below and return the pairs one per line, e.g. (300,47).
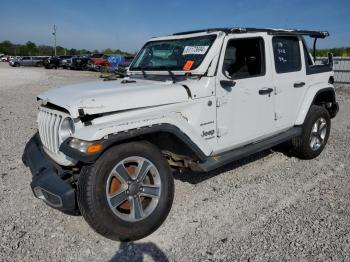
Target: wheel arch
(165,136)
(324,96)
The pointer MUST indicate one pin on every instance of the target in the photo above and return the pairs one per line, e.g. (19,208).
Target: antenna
(54,35)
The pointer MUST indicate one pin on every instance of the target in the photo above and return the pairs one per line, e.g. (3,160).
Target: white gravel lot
(268,207)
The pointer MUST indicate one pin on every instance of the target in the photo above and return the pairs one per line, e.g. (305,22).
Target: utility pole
(54,35)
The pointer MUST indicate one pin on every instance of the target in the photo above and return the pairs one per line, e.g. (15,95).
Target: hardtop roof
(240,30)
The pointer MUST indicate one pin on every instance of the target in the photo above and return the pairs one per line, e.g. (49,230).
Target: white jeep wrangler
(195,100)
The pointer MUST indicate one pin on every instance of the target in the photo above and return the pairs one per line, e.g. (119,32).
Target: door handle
(265,91)
(299,84)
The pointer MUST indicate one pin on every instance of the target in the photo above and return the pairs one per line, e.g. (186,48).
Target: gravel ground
(267,207)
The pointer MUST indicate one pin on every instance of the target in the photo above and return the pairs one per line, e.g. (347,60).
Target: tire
(119,223)
(314,135)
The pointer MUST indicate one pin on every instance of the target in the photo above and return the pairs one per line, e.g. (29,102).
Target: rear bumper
(47,183)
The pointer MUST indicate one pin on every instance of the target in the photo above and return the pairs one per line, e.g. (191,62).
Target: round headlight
(66,128)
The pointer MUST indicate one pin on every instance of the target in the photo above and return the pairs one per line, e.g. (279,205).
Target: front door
(245,106)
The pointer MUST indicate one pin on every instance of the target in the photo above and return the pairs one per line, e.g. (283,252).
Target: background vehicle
(194,100)
(97,61)
(63,59)
(28,61)
(79,62)
(66,62)
(52,62)
(4,58)
(121,69)
(106,63)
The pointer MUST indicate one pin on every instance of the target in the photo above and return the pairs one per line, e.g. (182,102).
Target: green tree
(107,51)
(31,48)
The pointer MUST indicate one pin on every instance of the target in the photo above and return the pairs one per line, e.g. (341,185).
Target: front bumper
(47,183)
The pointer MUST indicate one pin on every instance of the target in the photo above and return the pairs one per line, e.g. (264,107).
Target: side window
(25,58)
(244,58)
(287,54)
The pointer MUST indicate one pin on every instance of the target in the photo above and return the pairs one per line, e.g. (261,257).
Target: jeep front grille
(49,122)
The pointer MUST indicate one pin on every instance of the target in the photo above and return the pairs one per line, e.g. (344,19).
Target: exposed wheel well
(326,98)
(177,152)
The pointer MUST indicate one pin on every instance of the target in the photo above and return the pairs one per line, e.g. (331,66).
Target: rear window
(286,51)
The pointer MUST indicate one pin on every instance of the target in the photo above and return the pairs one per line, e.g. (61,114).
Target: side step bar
(222,159)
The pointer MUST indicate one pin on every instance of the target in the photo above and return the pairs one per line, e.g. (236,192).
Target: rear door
(289,79)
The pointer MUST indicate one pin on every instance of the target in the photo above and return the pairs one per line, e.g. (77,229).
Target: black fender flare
(335,106)
(115,139)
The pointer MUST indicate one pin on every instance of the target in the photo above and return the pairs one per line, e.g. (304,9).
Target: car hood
(109,96)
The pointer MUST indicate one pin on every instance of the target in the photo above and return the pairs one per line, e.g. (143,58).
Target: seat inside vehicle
(243,58)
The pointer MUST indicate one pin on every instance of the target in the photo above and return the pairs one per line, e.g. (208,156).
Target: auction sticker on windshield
(188,65)
(195,50)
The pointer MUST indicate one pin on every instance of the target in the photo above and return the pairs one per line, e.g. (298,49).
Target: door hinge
(221,131)
(278,116)
(220,101)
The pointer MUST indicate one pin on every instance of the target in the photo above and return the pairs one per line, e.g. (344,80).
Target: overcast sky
(128,24)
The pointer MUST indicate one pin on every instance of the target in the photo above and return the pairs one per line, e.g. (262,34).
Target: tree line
(341,51)
(31,49)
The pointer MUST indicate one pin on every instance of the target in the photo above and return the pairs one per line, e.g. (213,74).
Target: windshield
(177,54)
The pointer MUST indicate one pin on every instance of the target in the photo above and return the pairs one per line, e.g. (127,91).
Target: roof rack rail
(232,30)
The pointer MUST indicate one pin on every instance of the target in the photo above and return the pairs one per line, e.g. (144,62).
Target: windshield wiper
(169,71)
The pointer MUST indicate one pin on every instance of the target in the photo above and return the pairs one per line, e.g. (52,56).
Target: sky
(128,24)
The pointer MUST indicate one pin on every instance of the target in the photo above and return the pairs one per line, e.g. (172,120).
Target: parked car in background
(4,58)
(63,59)
(55,61)
(52,62)
(80,62)
(97,61)
(66,62)
(28,61)
(122,68)
(10,58)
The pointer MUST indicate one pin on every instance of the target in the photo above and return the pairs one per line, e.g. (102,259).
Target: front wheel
(315,133)
(127,194)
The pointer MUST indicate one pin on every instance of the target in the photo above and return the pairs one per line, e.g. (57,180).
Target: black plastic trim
(134,133)
(313,69)
(335,104)
(45,175)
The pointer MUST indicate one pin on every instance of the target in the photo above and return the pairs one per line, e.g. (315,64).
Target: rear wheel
(128,192)
(315,134)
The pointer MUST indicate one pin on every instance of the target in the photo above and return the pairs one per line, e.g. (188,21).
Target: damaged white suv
(194,100)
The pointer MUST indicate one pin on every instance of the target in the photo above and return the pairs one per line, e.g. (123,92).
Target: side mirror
(330,60)
(227,84)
